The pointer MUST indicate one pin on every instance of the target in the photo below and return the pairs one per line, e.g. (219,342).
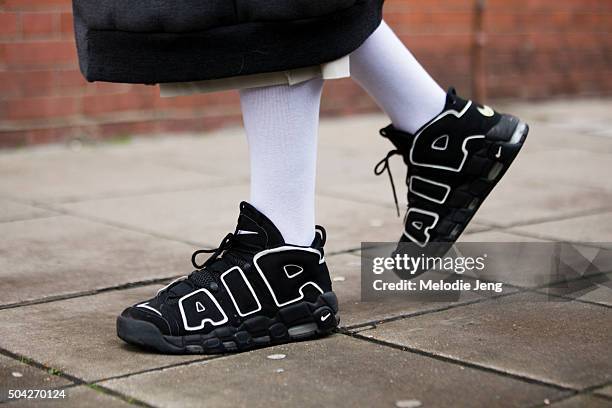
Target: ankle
(296,226)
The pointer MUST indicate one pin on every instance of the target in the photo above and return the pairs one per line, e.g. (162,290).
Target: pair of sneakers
(256,290)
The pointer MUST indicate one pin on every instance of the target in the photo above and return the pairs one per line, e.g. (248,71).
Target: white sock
(388,71)
(281,124)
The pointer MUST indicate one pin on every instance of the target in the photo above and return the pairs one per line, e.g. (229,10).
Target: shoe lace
(383,166)
(225,244)
(192,279)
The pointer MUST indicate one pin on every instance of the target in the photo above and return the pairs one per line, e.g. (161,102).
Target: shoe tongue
(255,231)
(451,98)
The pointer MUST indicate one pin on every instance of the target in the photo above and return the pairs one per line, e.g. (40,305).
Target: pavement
(86,229)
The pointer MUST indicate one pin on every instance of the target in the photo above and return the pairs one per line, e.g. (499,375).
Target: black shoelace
(202,276)
(225,244)
(383,166)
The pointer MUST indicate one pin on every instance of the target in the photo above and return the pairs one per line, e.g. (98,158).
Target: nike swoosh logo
(486,111)
(244,232)
(324,318)
(146,306)
(498,154)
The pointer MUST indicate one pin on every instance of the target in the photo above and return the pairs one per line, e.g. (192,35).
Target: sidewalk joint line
(119,395)
(554,400)
(368,325)
(589,391)
(545,219)
(76,381)
(63,211)
(93,292)
(42,217)
(571,299)
(374,323)
(459,362)
(162,368)
(592,244)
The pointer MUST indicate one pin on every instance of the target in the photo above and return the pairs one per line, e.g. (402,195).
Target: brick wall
(534,49)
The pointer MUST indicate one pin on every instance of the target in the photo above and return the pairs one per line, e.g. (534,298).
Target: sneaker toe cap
(139,313)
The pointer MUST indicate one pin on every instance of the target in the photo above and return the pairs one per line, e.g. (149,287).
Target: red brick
(27,54)
(9,24)
(12,139)
(9,85)
(39,24)
(38,108)
(25,84)
(67,24)
(122,102)
(36,5)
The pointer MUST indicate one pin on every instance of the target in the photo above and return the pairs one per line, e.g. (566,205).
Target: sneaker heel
(326,319)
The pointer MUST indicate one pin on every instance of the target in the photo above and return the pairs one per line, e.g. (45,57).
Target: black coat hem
(250,48)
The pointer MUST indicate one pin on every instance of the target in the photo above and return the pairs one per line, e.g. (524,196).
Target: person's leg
(275,241)
(281,123)
(387,70)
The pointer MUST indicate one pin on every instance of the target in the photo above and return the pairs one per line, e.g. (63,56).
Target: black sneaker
(254,291)
(454,161)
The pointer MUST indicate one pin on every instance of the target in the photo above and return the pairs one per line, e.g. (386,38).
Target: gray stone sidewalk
(87,230)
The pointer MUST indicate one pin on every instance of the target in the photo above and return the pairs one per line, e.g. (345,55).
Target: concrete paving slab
(336,371)
(568,166)
(348,148)
(201,216)
(78,336)
(582,117)
(65,255)
(61,175)
(16,375)
(596,289)
(595,228)
(508,204)
(348,153)
(522,334)
(14,211)
(547,136)
(207,153)
(358,133)
(355,312)
(76,397)
(350,175)
(206,216)
(496,236)
(581,401)
(605,391)
(531,268)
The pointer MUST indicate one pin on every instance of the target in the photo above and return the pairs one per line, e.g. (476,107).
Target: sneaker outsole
(300,321)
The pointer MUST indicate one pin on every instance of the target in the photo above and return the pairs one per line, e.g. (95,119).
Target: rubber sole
(299,321)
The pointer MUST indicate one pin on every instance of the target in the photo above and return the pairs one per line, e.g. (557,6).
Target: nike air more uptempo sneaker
(253,291)
(454,161)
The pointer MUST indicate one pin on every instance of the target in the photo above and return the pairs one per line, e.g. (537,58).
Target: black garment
(189,40)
